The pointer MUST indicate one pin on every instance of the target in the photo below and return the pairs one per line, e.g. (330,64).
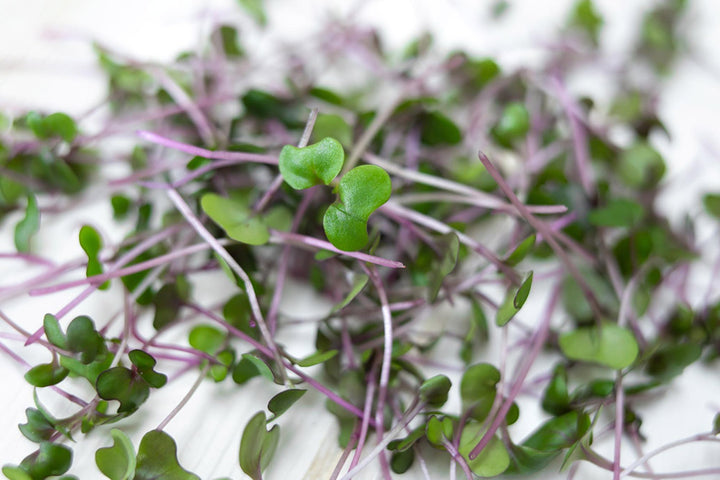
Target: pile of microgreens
(377,203)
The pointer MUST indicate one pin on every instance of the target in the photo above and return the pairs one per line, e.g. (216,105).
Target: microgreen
(470,192)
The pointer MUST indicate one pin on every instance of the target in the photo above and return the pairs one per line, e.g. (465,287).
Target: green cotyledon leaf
(361,191)
(316,164)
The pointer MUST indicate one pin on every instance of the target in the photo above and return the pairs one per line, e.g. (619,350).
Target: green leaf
(157,459)
(492,460)
(51,459)
(711,201)
(207,339)
(619,212)
(39,427)
(450,245)
(60,125)
(401,461)
(117,462)
(316,358)
(256,9)
(82,338)
(611,345)
(513,302)
(261,366)
(361,191)
(121,384)
(556,399)
(46,374)
(91,243)
(334,126)
(670,360)
(513,125)
(585,17)
(438,129)
(434,390)
(281,402)
(145,364)
(228,36)
(316,164)
(478,389)
(521,251)
(359,283)
(235,218)
(53,332)
(238,314)
(15,473)
(168,302)
(257,446)
(89,371)
(559,432)
(28,226)
(120,206)
(641,166)
(434,430)
(407,442)
(523,292)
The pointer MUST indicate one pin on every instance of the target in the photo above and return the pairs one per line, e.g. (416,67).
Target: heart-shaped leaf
(235,218)
(123,385)
(611,345)
(145,364)
(117,462)
(315,164)
(362,190)
(257,446)
(46,374)
(492,460)
(157,458)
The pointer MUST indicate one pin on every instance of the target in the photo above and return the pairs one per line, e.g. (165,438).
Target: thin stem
(546,233)
(205,153)
(315,243)
(186,398)
(186,212)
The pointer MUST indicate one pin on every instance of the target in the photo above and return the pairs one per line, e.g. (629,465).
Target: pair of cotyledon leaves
(360,192)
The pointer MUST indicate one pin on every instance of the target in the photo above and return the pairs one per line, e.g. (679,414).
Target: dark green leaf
(559,432)
(38,427)
(228,37)
(121,384)
(438,129)
(281,402)
(60,125)
(434,391)
(51,459)
(712,204)
(261,366)
(121,206)
(145,364)
(157,459)
(401,461)
(168,302)
(670,360)
(556,399)
(117,462)
(45,375)
(257,446)
(523,292)
(82,338)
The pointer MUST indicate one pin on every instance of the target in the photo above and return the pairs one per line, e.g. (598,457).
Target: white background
(46,63)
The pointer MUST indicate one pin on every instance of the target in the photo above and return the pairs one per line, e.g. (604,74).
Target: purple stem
(539,341)
(203,152)
(303,240)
